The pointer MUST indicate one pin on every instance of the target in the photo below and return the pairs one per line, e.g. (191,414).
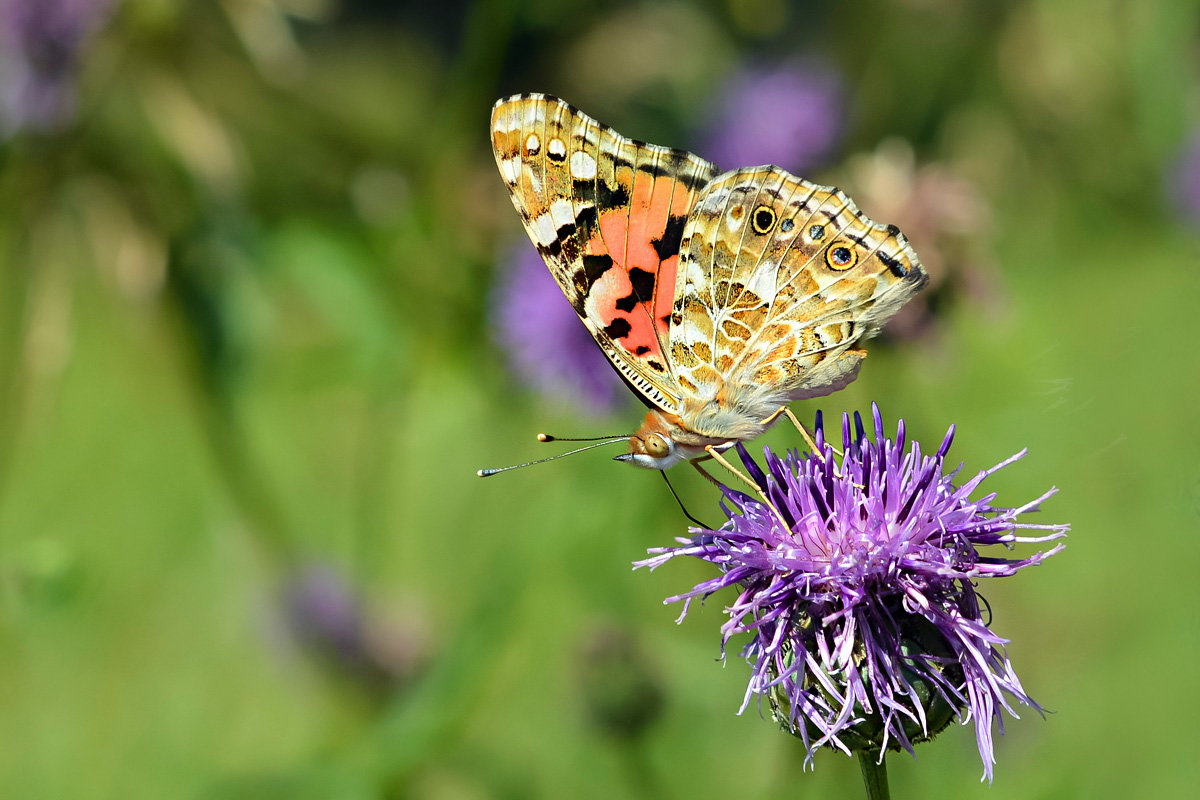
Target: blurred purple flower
(325,615)
(1184,181)
(857,585)
(789,115)
(322,611)
(547,346)
(41,43)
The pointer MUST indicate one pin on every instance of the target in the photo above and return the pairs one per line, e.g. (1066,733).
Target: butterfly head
(661,443)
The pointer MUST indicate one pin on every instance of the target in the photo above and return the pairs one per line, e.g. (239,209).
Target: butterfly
(719,297)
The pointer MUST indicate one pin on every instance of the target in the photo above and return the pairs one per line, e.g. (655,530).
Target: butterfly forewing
(607,214)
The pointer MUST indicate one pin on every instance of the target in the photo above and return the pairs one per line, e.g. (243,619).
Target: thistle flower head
(857,587)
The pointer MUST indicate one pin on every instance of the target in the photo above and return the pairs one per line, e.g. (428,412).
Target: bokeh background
(265,308)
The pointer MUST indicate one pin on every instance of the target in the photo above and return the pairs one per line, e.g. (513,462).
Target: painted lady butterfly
(719,297)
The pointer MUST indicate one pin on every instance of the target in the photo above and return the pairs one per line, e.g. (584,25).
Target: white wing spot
(545,229)
(557,148)
(583,166)
(532,144)
(715,201)
(562,213)
(505,120)
(510,169)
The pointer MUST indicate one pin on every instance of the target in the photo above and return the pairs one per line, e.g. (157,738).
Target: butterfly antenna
(484,473)
(682,507)
(545,437)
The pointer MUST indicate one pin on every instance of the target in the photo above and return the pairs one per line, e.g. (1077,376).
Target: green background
(244,329)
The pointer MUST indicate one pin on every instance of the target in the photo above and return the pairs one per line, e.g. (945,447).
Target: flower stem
(874,772)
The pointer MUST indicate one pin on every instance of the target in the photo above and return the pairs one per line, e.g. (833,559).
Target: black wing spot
(570,249)
(627,303)
(816,233)
(894,265)
(586,221)
(643,283)
(618,328)
(893,230)
(669,244)
(641,350)
(595,266)
(610,196)
(787,225)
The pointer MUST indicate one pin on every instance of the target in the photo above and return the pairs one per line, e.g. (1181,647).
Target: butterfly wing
(607,214)
(780,278)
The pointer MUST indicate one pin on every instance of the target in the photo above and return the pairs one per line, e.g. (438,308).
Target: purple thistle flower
(867,630)
(789,115)
(41,42)
(547,345)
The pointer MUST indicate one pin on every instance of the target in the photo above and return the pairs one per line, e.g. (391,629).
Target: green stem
(874,772)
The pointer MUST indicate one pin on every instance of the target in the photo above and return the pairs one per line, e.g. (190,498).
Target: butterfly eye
(840,257)
(763,219)
(656,446)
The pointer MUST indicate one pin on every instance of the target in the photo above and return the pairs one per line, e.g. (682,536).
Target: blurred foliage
(244,330)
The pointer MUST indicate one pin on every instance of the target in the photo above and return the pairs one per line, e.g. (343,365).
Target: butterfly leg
(808,439)
(708,477)
(720,459)
(804,432)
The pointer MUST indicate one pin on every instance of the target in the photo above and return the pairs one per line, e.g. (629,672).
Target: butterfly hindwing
(780,278)
(607,214)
